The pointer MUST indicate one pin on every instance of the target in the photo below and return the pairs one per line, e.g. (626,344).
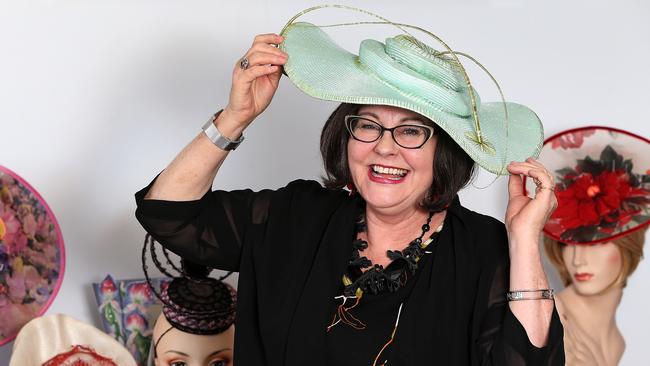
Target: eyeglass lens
(408,136)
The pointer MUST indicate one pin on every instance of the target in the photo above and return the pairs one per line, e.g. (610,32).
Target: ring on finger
(552,189)
(244,63)
(539,186)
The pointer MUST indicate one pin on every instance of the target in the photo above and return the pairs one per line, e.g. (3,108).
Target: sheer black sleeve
(502,339)
(209,231)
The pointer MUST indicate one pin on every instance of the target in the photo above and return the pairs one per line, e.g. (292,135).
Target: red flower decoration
(600,196)
(591,199)
(80,355)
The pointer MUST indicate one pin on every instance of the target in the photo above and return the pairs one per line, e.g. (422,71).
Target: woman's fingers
(541,179)
(265,58)
(255,72)
(524,215)
(268,38)
(260,64)
(254,85)
(545,189)
(519,164)
(265,47)
(531,163)
(515,185)
(539,165)
(539,175)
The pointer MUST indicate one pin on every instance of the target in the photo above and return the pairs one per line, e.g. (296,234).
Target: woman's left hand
(525,216)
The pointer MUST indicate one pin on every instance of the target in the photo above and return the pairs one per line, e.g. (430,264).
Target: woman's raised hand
(526,217)
(254,84)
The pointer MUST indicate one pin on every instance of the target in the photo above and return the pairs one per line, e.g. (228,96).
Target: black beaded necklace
(378,279)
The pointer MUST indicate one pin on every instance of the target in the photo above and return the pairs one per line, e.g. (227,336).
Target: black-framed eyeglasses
(407,136)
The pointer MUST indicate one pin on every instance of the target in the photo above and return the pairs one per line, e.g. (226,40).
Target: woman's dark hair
(452,167)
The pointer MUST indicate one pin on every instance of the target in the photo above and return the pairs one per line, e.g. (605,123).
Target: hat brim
(324,70)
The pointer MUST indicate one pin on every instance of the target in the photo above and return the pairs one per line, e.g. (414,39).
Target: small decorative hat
(602,184)
(193,302)
(61,340)
(405,72)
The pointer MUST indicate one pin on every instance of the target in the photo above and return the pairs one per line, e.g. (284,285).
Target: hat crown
(413,68)
(204,306)
(426,60)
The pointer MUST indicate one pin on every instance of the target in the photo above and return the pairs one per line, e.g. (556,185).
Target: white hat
(50,336)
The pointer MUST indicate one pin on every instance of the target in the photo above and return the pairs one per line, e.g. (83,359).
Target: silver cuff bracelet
(544,294)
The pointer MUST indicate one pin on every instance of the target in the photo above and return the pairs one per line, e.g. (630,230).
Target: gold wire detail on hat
(503,100)
(477,137)
(484,145)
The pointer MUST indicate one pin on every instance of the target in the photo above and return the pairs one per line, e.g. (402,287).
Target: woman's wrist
(524,246)
(230,125)
(527,238)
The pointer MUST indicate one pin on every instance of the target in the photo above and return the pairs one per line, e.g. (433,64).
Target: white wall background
(96,97)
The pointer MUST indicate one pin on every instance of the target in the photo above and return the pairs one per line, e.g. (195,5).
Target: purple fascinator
(192,302)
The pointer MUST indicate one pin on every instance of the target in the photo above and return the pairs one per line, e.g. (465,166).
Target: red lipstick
(583,276)
(384,178)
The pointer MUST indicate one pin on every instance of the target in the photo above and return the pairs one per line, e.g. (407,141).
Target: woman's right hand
(252,89)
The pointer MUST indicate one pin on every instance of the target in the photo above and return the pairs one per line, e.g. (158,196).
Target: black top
(350,346)
(291,247)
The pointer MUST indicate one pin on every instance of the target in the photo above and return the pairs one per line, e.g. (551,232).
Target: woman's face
(593,268)
(392,193)
(177,348)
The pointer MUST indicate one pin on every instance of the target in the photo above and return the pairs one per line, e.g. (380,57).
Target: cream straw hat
(60,336)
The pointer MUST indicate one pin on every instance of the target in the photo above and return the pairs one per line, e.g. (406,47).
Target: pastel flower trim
(30,255)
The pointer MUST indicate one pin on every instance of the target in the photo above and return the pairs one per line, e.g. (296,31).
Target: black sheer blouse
(291,247)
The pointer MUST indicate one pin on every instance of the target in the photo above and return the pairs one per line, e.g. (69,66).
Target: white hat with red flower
(602,184)
(59,339)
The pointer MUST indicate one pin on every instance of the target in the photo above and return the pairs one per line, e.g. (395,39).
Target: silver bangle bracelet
(543,294)
(217,138)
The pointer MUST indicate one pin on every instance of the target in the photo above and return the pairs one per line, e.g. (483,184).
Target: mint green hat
(404,72)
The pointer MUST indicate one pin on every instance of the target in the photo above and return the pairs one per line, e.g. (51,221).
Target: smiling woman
(453,167)
(367,277)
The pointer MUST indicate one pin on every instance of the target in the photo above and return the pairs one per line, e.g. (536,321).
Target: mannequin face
(593,268)
(177,348)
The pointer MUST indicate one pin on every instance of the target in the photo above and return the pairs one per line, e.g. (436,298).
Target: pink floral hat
(602,184)
(32,256)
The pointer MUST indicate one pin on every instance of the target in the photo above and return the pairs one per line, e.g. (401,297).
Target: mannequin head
(196,325)
(594,269)
(174,347)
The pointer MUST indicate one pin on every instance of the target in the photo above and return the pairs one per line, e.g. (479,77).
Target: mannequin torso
(591,336)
